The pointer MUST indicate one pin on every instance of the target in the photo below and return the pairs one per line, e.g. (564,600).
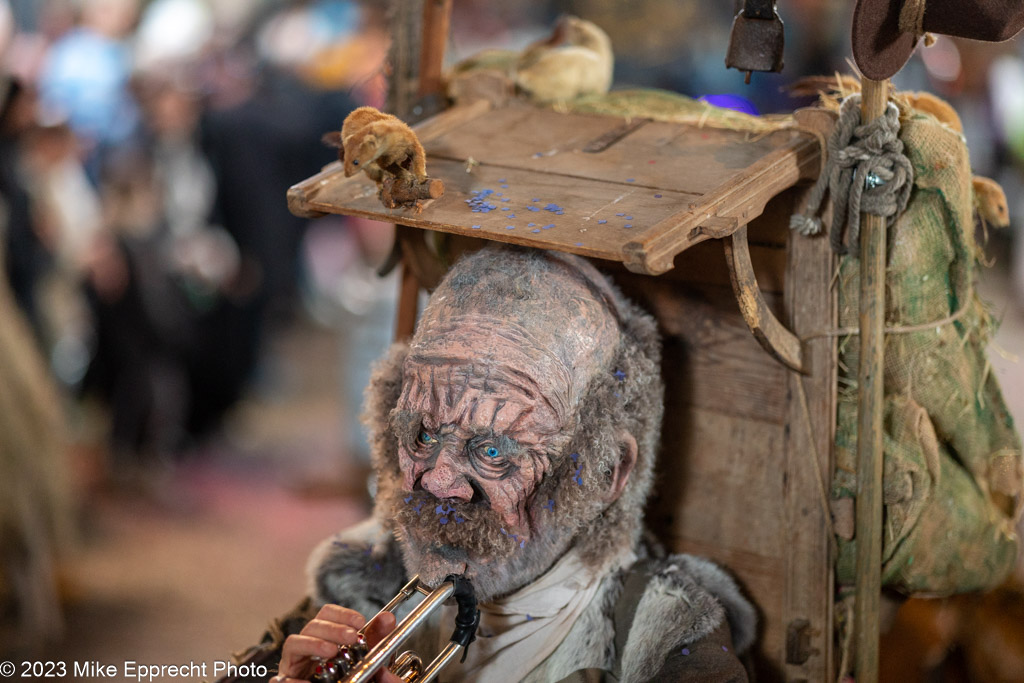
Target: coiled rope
(866,172)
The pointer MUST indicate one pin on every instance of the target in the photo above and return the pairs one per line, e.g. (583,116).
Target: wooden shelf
(675,184)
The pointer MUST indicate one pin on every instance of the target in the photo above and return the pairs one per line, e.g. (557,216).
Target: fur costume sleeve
(691,623)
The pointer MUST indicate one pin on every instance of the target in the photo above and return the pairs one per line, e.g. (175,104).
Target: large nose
(446,478)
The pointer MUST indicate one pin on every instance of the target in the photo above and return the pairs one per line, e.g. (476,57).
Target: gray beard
(497,563)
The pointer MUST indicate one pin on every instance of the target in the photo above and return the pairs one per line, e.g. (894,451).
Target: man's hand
(320,638)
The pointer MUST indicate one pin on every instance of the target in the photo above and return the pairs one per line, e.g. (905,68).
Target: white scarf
(519,631)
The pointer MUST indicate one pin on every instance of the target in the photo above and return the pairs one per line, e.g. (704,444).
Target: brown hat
(885,32)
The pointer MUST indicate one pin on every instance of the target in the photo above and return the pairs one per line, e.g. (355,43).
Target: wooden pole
(870,401)
(433,38)
(436,22)
(408,297)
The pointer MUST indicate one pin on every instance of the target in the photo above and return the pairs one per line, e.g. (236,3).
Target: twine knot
(866,172)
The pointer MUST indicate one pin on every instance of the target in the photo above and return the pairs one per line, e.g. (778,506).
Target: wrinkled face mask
(487,408)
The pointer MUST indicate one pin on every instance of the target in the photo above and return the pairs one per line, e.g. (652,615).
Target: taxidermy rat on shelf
(388,151)
(390,145)
(576,60)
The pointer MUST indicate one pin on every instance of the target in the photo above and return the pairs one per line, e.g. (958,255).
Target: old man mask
(519,424)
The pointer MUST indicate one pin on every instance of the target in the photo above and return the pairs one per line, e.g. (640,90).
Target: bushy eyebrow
(405,424)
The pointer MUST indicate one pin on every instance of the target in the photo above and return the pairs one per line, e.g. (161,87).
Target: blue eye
(491,452)
(355,162)
(427,438)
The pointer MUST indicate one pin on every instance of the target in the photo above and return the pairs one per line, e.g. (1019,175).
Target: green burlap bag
(949,509)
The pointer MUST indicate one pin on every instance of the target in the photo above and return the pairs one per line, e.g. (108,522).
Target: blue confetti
(630,180)
(532,208)
(408,498)
(459,519)
(657,196)
(502,180)
(686,651)
(529,618)
(575,457)
(620,375)
(628,225)
(549,226)
(522,543)
(620,214)
(725,649)
(498,195)
(535,230)
(504,532)
(510,227)
(418,507)
(535,199)
(629,218)
(511,215)
(505,208)
(443,520)
(550,505)
(530,225)
(559,213)
(602,221)
(507,199)
(476,227)
(504,187)
(617,395)
(579,244)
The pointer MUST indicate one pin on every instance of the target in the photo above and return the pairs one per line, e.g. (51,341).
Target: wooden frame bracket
(771,334)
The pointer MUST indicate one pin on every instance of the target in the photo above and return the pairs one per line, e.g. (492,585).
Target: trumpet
(358,663)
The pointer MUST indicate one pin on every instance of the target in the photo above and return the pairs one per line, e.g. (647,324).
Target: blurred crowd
(146,151)
(146,147)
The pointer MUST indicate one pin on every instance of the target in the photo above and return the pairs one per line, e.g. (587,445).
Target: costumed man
(514,440)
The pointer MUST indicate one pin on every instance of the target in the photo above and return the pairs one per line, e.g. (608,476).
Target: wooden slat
(711,462)
(655,155)
(808,585)
(585,202)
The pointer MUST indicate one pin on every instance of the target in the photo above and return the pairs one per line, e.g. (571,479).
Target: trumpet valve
(408,666)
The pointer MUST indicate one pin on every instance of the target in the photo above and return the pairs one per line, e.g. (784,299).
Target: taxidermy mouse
(387,146)
(576,60)
(388,151)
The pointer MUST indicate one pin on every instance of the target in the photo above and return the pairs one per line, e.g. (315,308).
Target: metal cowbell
(757,38)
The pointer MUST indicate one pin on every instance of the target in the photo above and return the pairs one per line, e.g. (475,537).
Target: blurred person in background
(157,333)
(85,75)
